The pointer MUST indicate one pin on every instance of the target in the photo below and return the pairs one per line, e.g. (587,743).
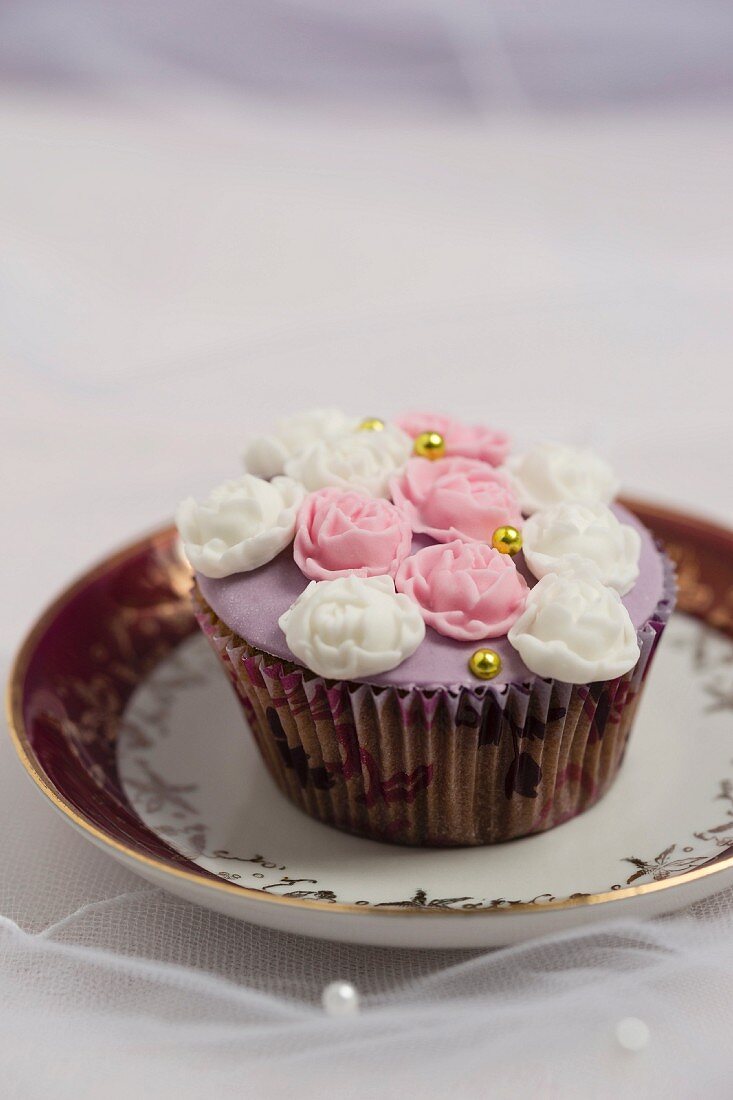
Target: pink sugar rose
(465,590)
(464,440)
(345,533)
(455,498)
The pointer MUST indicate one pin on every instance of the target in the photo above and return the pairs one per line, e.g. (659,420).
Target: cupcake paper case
(371,717)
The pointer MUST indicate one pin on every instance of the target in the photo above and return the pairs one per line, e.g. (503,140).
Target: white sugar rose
(352,627)
(551,473)
(243,524)
(575,629)
(361,460)
(552,539)
(266,455)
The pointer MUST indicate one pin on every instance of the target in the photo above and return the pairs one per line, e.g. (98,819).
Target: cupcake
(435,642)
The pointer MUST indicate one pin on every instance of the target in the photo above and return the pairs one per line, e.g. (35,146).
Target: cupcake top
(423,553)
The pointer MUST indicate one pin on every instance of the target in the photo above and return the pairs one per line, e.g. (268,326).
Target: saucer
(123,718)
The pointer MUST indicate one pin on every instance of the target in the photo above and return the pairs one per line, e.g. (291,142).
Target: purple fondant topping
(251,603)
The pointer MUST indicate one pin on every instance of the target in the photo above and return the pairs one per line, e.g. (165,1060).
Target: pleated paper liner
(436,768)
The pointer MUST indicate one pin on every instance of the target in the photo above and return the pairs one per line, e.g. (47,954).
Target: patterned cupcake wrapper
(436,768)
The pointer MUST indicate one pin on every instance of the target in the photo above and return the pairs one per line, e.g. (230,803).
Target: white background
(508,218)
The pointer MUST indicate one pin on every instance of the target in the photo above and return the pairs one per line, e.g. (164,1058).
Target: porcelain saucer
(123,718)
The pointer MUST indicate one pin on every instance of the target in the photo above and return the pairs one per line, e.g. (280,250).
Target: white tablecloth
(176,268)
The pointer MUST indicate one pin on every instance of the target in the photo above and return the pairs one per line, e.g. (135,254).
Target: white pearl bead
(340,999)
(632,1033)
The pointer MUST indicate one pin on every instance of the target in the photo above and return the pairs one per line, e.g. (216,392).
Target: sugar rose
(465,440)
(575,629)
(455,498)
(551,473)
(360,460)
(465,590)
(243,524)
(265,455)
(590,533)
(352,627)
(338,533)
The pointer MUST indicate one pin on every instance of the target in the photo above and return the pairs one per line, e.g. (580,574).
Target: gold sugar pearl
(430,445)
(485,663)
(372,424)
(507,540)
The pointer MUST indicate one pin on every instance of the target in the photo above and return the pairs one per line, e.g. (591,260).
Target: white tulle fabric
(138,993)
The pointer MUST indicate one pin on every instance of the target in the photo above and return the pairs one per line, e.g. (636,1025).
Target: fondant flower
(266,455)
(338,533)
(242,525)
(552,539)
(455,498)
(551,473)
(465,440)
(360,460)
(465,590)
(575,629)
(352,627)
